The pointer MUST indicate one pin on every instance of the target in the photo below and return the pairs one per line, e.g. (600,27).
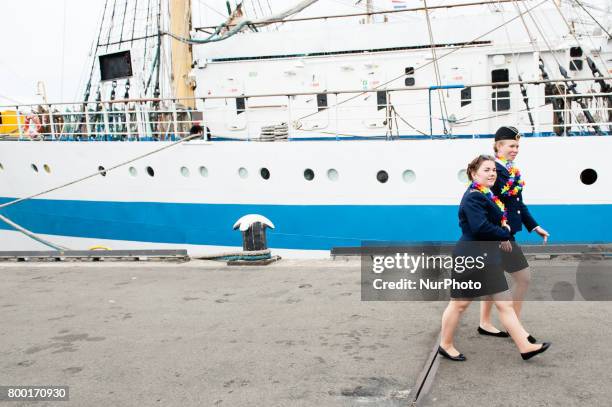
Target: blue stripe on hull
(297,227)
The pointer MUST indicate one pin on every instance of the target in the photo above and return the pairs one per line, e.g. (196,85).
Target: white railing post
(175,119)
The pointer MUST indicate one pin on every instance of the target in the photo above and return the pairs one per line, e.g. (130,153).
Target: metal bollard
(253,228)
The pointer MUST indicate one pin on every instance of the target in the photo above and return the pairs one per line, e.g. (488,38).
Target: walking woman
(482,218)
(508,187)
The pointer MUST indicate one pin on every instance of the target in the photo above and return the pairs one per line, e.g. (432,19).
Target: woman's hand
(506,246)
(543,233)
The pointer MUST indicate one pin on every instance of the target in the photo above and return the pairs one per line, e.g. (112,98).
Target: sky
(50,41)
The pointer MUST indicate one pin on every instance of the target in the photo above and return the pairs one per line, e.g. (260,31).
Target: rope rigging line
(441,100)
(111,24)
(123,20)
(95,51)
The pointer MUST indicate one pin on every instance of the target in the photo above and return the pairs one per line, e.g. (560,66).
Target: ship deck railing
(328,115)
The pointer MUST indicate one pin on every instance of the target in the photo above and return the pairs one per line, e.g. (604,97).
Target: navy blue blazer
(480,219)
(518,214)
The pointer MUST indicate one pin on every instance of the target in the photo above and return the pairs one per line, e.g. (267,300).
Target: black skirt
(515,260)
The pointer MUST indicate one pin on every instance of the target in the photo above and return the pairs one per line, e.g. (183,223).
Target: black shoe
(489,333)
(529,355)
(531,339)
(459,358)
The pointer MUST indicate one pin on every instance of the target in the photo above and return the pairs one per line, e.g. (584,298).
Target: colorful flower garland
(486,191)
(515,184)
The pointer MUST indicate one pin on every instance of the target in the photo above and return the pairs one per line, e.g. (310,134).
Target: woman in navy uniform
(482,218)
(508,187)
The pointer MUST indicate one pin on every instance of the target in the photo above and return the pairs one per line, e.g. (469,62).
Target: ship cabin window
(381,99)
(500,101)
(240,105)
(409,72)
(575,65)
(265,173)
(588,176)
(150,171)
(500,75)
(466,96)
(382,176)
(575,52)
(309,174)
(321,101)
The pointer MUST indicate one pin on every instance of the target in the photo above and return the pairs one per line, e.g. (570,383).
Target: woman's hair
(475,164)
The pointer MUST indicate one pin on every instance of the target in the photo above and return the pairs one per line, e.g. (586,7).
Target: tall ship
(340,122)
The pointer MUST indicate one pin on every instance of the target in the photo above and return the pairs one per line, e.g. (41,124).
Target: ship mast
(180,24)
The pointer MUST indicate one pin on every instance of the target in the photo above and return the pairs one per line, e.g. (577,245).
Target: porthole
(150,171)
(1,167)
(462,176)
(103,173)
(34,167)
(133,171)
(332,174)
(184,171)
(265,173)
(47,168)
(308,174)
(382,176)
(243,172)
(409,176)
(588,176)
(204,171)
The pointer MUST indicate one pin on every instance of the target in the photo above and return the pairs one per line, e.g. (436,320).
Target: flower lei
(486,191)
(515,184)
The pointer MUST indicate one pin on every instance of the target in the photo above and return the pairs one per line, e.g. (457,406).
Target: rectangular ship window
(321,101)
(576,65)
(500,75)
(500,101)
(466,96)
(409,82)
(381,99)
(240,105)
(409,70)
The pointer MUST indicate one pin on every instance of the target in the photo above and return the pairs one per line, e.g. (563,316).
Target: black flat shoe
(531,339)
(496,334)
(529,355)
(459,358)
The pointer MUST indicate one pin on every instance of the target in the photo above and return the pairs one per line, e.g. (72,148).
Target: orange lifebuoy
(32,126)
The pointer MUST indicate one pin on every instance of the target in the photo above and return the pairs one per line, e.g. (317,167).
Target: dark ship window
(409,82)
(308,174)
(150,171)
(382,176)
(321,101)
(500,75)
(409,70)
(381,99)
(240,105)
(265,173)
(466,96)
(575,52)
(588,176)
(575,65)
(103,173)
(500,101)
